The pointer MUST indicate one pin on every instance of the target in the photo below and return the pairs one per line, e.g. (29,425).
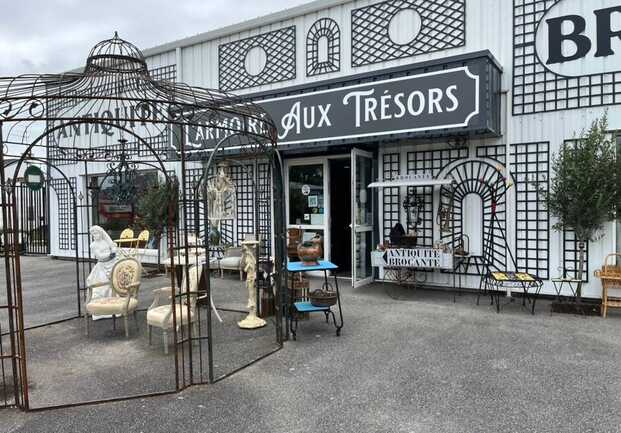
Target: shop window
(113,215)
(472,224)
(306,195)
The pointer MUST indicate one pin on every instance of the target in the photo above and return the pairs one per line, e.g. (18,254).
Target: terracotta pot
(310,251)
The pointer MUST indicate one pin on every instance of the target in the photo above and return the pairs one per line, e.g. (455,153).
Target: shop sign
(576,38)
(33,176)
(424,258)
(425,102)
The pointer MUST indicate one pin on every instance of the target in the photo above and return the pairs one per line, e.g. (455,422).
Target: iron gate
(33,215)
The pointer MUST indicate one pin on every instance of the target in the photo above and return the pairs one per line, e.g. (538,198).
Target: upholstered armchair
(160,313)
(125,283)
(232,261)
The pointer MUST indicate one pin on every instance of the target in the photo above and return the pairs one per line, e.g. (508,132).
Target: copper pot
(310,251)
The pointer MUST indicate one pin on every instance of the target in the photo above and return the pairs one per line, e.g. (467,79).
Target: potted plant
(583,193)
(154,206)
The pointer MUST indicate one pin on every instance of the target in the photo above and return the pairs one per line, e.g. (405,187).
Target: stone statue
(249,263)
(104,250)
(220,191)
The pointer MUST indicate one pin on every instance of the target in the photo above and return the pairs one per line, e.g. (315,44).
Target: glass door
(362,217)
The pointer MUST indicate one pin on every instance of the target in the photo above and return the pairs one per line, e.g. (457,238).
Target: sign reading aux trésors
(437,100)
(577,37)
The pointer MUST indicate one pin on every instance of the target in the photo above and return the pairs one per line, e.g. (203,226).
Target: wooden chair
(231,261)
(125,282)
(160,314)
(610,274)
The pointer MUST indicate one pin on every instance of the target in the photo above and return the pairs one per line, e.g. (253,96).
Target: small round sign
(33,176)
(306,189)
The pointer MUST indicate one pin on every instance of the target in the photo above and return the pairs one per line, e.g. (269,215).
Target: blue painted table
(296,308)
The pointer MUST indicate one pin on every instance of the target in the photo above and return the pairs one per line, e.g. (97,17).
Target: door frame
(355,152)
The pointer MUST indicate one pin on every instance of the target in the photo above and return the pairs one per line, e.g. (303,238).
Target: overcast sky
(50,36)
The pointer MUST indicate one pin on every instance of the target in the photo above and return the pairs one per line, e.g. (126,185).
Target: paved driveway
(406,362)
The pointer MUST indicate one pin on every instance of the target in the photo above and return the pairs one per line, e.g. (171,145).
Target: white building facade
(365,91)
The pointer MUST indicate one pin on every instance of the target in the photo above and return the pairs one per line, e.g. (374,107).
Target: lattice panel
(571,256)
(496,153)
(391,196)
(530,171)
(243,178)
(535,88)
(329,29)
(164,73)
(280,65)
(264,191)
(443,25)
(431,161)
(66,232)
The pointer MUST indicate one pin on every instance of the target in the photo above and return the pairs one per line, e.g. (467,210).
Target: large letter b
(556,39)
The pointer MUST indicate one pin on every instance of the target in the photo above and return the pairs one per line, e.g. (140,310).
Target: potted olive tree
(154,206)
(583,192)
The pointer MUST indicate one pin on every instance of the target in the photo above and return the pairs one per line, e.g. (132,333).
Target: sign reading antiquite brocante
(425,102)
(424,258)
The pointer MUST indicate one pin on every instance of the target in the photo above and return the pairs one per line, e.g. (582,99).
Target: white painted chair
(232,262)
(125,283)
(161,316)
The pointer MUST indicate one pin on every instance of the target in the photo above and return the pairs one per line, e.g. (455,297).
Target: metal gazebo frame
(76,116)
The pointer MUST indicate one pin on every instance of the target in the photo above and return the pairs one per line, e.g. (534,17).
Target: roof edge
(250,24)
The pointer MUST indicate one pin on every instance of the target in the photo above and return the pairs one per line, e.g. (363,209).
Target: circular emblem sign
(306,189)
(34,178)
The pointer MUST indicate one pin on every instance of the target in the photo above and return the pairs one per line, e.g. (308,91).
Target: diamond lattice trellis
(443,25)
(280,65)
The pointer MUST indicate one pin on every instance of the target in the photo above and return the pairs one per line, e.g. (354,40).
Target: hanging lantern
(221,197)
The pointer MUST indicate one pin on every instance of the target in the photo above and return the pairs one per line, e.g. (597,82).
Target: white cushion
(108,306)
(230,263)
(157,316)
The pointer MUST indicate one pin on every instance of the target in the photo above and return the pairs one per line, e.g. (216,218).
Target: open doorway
(340,215)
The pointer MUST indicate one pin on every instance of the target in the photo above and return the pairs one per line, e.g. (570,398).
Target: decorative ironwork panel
(280,63)
(430,161)
(391,196)
(165,73)
(532,232)
(443,25)
(484,180)
(66,232)
(535,87)
(329,29)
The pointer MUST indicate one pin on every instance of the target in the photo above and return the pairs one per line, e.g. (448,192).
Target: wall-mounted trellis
(391,196)
(537,89)
(66,234)
(443,26)
(279,47)
(530,169)
(432,162)
(323,28)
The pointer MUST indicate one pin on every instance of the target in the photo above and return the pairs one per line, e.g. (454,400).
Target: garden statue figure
(249,263)
(104,250)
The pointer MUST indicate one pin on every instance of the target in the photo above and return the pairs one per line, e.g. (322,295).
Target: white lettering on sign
(577,37)
(370,108)
(307,117)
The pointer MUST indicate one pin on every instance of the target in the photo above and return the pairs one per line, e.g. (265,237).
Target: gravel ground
(407,361)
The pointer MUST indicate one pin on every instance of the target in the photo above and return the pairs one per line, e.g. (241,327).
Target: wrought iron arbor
(115,113)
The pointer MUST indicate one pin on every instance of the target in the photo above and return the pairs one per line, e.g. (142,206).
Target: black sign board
(456,96)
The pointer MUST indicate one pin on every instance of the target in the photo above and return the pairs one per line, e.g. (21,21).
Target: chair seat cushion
(230,262)
(157,316)
(112,305)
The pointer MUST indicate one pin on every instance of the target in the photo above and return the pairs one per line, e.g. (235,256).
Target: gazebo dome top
(115,55)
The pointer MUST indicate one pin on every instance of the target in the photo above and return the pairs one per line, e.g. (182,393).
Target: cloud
(51,36)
